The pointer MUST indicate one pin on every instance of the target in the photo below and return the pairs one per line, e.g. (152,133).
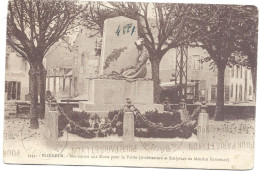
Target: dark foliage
(81,118)
(165,119)
(141,128)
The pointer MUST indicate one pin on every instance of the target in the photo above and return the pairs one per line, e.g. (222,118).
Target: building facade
(202,77)
(70,66)
(59,81)
(241,86)
(86,56)
(16,75)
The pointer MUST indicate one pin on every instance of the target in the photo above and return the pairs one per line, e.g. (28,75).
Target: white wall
(17,70)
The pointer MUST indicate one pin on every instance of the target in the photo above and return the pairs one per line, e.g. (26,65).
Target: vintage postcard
(130,84)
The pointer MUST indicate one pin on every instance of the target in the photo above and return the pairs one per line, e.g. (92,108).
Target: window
(213,92)
(24,65)
(232,72)
(63,84)
(6,85)
(240,92)
(57,84)
(98,47)
(201,63)
(196,90)
(250,90)
(241,72)
(13,90)
(231,91)
(226,93)
(82,59)
(196,62)
(75,86)
(47,86)
(236,93)
(7,61)
(237,71)
(245,91)
(18,93)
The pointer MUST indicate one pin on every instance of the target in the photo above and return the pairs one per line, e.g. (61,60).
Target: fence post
(203,127)
(51,121)
(128,123)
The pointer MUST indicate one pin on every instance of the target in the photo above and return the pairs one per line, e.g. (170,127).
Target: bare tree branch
(37,25)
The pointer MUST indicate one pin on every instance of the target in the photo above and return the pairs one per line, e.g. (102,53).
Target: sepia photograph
(133,84)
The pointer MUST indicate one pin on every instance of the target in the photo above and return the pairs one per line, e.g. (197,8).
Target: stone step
(10,106)
(87,106)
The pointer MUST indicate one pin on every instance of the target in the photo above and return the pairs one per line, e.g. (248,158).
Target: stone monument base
(111,91)
(108,94)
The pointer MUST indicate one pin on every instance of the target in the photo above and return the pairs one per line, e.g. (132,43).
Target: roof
(57,52)
(59,72)
(66,62)
(68,73)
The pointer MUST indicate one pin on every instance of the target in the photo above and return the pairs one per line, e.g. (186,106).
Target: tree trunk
(34,124)
(41,90)
(219,111)
(156,79)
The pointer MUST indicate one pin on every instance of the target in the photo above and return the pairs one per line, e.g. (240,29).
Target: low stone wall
(231,111)
(10,108)
(16,107)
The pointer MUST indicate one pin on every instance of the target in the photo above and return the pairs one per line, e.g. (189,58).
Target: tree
(220,38)
(248,39)
(33,26)
(95,16)
(162,25)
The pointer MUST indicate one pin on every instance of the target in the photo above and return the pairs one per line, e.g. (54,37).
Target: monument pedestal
(203,127)
(111,91)
(51,123)
(108,94)
(128,126)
